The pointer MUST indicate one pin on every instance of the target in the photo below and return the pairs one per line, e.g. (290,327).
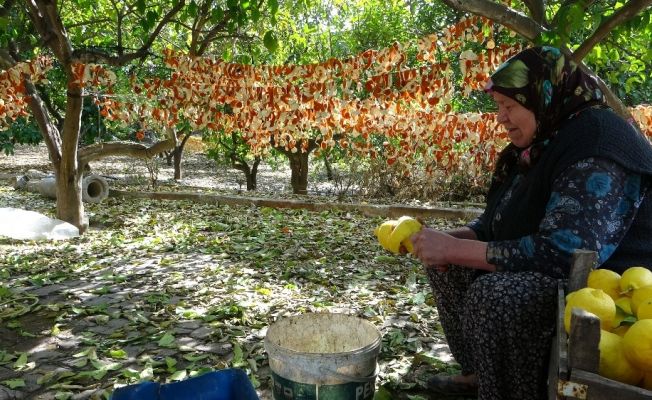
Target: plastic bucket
(226,384)
(323,356)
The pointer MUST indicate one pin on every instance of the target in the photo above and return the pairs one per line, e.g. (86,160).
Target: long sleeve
(593,203)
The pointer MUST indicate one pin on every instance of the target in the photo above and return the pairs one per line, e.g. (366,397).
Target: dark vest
(592,133)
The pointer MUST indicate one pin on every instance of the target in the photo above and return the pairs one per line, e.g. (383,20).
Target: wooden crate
(574,358)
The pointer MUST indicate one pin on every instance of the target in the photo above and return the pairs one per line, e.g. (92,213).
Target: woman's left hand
(433,247)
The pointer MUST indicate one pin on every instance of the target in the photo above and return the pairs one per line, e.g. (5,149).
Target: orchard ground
(166,290)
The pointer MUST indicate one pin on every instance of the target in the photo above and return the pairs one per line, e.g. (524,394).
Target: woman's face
(520,122)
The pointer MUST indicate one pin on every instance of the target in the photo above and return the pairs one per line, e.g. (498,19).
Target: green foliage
(22,131)
(224,149)
(93,126)
(622,59)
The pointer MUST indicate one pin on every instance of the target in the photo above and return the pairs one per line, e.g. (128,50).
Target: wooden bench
(574,358)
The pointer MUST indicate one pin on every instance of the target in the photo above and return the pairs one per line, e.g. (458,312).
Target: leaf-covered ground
(167,290)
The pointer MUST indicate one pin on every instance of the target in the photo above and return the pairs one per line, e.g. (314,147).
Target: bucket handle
(347,378)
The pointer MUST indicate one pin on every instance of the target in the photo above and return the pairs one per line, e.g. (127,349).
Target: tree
(81,33)
(578,26)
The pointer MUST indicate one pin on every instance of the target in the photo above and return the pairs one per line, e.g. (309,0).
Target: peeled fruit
(383,230)
(605,279)
(613,363)
(594,301)
(640,295)
(634,278)
(645,310)
(406,227)
(637,344)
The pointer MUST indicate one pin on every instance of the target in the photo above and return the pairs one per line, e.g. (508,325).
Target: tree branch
(48,131)
(506,16)
(92,56)
(536,10)
(102,150)
(625,13)
(6,59)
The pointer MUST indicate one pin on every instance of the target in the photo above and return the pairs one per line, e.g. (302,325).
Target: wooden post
(583,262)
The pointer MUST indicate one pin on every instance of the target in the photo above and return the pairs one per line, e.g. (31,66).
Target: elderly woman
(575,176)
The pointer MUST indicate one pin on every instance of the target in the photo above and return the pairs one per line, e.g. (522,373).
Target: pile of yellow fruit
(395,233)
(624,306)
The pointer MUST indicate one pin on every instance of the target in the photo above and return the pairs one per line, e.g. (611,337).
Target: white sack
(30,225)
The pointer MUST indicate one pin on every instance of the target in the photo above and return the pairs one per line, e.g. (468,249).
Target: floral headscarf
(544,81)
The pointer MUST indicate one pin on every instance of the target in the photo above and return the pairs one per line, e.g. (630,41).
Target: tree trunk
(177,153)
(70,207)
(329,168)
(63,152)
(299,168)
(252,175)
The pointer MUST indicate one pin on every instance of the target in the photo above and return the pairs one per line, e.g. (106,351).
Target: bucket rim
(374,345)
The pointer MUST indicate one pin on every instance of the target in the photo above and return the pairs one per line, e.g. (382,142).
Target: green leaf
(170,362)
(152,17)
(14,383)
(118,354)
(130,373)
(147,373)
(217,15)
(63,395)
(273,6)
(141,5)
(255,15)
(270,41)
(192,358)
(237,355)
(192,9)
(178,375)
(167,340)
(21,361)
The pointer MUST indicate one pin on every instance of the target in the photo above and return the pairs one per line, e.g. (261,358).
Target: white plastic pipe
(94,188)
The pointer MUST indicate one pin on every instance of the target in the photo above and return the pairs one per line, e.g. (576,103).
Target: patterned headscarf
(545,82)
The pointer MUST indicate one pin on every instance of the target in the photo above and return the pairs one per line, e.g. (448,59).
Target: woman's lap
(499,326)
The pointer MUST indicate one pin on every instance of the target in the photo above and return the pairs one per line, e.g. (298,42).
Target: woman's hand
(436,249)
(433,248)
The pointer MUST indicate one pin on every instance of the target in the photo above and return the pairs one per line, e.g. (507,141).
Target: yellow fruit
(647,380)
(594,301)
(640,295)
(634,278)
(625,304)
(645,309)
(383,230)
(405,228)
(637,344)
(407,243)
(605,279)
(613,363)
(621,330)
(623,311)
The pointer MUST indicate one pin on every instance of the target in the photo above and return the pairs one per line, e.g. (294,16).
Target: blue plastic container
(227,384)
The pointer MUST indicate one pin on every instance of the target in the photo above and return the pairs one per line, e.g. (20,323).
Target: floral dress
(499,325)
